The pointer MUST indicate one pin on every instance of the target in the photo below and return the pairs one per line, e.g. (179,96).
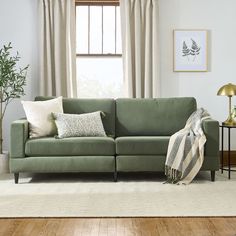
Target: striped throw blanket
(185,153)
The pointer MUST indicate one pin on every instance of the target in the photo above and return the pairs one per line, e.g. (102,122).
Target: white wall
(18,24)
(217,16)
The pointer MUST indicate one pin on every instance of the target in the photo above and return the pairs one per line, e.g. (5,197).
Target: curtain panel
(57,47)
(139,25)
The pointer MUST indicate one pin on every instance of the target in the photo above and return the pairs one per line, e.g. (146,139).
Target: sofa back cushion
(82,105)
(161,116)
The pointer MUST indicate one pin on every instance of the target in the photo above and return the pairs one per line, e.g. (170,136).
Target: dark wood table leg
(229,164)
(222,148)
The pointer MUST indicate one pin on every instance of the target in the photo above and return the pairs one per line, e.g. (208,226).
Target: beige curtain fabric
(139,25)
(58,53)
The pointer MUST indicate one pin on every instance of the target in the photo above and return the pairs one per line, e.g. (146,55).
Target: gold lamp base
(230,122)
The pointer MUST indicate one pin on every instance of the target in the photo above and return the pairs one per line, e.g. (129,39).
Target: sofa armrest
(211,130)
(19,135)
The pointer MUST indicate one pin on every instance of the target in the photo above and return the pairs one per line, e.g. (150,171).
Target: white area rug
(70,195)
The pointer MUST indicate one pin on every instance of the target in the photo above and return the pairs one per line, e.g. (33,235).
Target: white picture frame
(190,50)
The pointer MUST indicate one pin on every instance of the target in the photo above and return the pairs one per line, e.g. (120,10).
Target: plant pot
(4,163)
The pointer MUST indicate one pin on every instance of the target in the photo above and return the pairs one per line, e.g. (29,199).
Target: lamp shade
(227,90)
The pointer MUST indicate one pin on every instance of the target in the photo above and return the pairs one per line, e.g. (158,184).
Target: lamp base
(230,122)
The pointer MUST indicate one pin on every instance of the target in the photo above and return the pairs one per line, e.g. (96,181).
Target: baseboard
(232,158)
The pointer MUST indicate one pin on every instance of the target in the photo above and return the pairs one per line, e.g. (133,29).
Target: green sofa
(138,132)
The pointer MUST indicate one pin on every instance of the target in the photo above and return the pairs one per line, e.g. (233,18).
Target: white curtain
(57,47)
(139,25)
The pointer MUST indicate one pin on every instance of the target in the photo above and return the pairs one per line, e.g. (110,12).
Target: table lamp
(228,90)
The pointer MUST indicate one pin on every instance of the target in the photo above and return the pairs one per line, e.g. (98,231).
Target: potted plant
(12,82)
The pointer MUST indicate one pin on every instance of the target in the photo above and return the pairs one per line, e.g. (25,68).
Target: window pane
(95,29)
(100,77)
(118,32)
(109,29)
(82,29)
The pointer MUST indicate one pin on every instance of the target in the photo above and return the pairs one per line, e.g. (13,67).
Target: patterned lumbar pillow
(39,116)
(83,125)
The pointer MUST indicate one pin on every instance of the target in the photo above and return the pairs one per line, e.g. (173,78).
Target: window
(98,48)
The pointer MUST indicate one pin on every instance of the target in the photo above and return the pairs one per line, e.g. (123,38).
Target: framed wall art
(190,50)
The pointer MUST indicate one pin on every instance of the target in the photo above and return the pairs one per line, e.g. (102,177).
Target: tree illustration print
(195,49)
(186,50)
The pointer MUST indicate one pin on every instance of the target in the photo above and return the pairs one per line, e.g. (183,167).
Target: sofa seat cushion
(142,145)
(76,146)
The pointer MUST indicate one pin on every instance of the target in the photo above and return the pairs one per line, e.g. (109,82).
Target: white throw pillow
(83,125)
(39,116)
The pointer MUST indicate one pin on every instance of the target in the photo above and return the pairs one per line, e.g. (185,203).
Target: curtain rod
(97,1)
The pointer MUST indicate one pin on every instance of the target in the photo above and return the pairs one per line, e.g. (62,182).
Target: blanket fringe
(173,175)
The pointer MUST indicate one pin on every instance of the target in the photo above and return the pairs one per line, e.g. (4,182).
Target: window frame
(97,2)
(101,3)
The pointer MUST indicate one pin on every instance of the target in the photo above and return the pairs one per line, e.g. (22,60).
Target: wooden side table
(228,168)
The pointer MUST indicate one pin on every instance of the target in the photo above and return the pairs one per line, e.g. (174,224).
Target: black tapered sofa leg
(115,172)
(115,176)
(16,176)
(213,173)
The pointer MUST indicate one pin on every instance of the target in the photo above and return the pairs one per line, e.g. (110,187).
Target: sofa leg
(16,176)
(115,176)
(115,171)
(213,173)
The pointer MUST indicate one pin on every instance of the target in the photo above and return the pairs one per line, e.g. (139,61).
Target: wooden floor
(119,226)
